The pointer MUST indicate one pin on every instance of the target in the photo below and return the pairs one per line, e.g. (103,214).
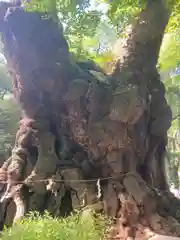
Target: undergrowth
(81,226)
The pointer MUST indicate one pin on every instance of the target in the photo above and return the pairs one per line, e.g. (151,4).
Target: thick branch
(176,117)
(141,48)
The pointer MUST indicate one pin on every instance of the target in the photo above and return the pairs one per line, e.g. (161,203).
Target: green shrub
(76,227)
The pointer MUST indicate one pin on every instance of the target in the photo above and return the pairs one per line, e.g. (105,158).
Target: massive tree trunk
(84,141)
(136,68)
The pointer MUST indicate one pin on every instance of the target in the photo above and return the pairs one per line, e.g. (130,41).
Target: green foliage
(79,28)
(78,20)
(174,154)
(5,80)
(77,227)
(41,5)
(168,61)
(170,51)
(84,20)
(9,118)
(174,22)
(121,12)
(64,6)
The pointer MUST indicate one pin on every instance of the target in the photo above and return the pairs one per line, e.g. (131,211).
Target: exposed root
(3,174)
(19,202)
(161,237)
(12,172)
(139,217)
(14,194)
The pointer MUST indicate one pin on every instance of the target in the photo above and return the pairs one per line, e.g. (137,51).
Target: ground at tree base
(161,237)
(140,216)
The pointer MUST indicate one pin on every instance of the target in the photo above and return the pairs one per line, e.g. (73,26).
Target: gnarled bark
(77,129)
(137,68)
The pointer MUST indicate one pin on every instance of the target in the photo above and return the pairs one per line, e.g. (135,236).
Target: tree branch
(140,50)
(176,117)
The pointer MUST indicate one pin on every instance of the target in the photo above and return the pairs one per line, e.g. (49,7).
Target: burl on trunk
(83,141)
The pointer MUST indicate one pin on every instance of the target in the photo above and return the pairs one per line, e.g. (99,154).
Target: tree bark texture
(82,141)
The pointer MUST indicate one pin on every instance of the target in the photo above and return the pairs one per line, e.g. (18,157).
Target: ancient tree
(78,134)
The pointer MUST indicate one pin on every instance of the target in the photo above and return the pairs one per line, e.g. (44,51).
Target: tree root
(139,216)
(19,202)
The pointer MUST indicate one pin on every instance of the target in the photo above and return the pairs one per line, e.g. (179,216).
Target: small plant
(82,226)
